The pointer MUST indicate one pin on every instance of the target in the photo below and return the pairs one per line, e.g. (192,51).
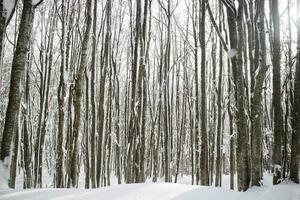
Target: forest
(98,93)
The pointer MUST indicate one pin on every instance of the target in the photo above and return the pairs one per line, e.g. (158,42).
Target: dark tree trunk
(257,112)
(93,108)
(2,31)
(60,98)
(236,41)
(104,67)
(17,74)
(278,115)
(132,118)
(218,181)
(86,130)
(204,178)
(79,81)
(26,136)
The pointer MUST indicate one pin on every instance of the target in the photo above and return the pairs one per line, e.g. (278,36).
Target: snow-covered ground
(159,191)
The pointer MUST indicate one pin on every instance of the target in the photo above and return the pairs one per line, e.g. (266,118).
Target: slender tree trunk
(61,95)
(143,93)
(86,130)
(218,181)
(132,119)
(197,99)
(117,126)
(232,136)
(26,136)
(93,108)
(204,178)
(2,33)
(14,161)
(104,68)
(295,153)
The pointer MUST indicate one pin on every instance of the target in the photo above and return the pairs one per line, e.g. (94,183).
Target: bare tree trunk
(26,136)
(60,97)
(132,119)
(2,33)
(204,179)
(104,68)
(236,41)
(17,74)
(257,112)
(156,164)
(232,136)
(78,95)
(61,94)
(117,126)
(278,115)
(295,154)
(109,127)
(86,130)
(93,108)
(218,181)
(197,99)
(143,93)
(219,129)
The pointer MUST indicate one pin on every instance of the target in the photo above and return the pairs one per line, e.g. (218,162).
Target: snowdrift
(156,191)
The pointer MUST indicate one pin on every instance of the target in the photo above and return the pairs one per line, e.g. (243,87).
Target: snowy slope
(147,191)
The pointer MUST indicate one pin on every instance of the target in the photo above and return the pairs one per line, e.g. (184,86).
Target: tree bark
(218,181)
(17,73)
(236,41)
(107,47)
(93,108)
(257,112)
(295,148)
(60,98)
(278,115)
(204,178)
(132,117)
(78,95)
(26,137)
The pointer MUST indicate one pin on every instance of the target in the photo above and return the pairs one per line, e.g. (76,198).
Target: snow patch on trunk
(4,173)
(8,6)
(231,53)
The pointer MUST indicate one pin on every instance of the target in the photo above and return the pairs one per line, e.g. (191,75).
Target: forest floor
(158,191)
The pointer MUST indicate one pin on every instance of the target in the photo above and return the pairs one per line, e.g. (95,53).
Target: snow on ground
(160,191)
